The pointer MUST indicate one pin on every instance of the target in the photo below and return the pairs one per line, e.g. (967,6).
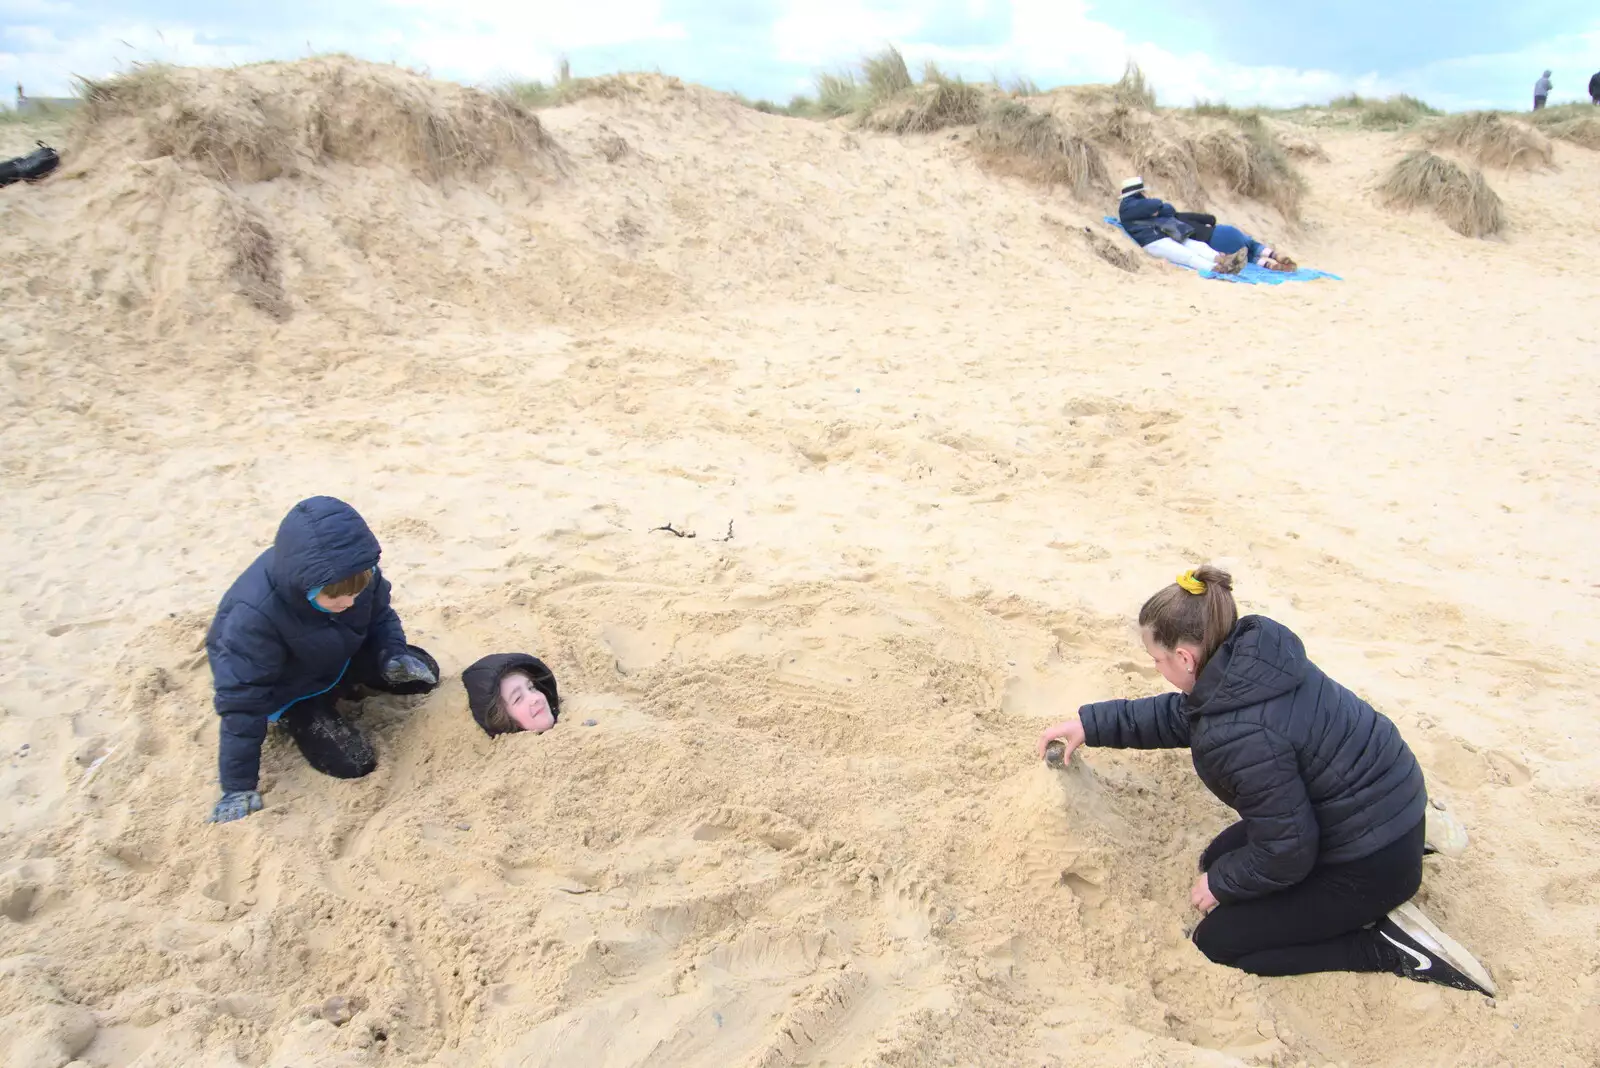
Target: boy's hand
(1071,735)
(407,668)
(236,806)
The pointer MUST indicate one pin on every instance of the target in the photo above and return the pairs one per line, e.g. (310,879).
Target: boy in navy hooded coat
(308,622)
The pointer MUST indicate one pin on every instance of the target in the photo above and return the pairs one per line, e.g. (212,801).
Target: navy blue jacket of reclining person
(1147,219)
(270,646)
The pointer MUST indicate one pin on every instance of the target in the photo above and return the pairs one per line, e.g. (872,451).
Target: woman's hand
(1200,895)
(1071,735)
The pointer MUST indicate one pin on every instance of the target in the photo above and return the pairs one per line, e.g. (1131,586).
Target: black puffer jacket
(482,682)
(1147,219)
(270,646)
(1317,774)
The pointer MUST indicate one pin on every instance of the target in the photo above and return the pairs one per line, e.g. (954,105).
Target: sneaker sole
(1443,833)
(1411,920)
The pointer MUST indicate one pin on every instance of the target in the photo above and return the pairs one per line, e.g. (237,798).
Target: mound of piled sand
(934,450)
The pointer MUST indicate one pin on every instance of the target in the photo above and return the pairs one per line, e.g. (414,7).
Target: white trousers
(1191,253)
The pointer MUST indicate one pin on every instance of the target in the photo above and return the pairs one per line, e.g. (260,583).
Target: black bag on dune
(30,168)
(1204,225)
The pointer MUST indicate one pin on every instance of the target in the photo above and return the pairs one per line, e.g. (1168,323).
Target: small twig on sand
(670,529)
(730,533)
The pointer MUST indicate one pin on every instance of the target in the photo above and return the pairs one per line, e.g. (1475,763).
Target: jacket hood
(482,682)
(1259,660)
(321,540)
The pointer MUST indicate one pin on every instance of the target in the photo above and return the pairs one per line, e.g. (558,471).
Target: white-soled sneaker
(1428,955)
(1442,833)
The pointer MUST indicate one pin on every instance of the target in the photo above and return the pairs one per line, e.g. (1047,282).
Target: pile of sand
(934,450)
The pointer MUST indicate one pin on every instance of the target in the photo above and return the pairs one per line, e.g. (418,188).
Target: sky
(1479,53)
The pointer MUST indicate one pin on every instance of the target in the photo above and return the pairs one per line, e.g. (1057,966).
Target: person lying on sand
(1229,239)
(306,624)
(1155,225)
(1318,873)
(511,692)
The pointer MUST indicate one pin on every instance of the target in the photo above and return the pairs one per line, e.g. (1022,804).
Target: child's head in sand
(1184,623)
(512,692)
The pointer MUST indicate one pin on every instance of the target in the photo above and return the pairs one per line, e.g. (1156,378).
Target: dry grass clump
(1299,146)
(1577,123)
(1458,196)
(255,265)
(1397,112)
(883,96)
(1253,164)
(937,103)
(1490,139)
(260,122)
(1132,89)
(1013,138)
(568,90)
(886,75)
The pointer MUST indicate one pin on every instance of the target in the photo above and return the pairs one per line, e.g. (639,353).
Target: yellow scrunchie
(1190,584)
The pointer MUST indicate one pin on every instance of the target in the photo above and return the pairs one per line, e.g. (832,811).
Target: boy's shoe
(1442,833)
(1428,955)
(1233,262)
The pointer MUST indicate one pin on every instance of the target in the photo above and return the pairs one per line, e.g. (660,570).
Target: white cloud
(829,32)
(472,40)
(1052,42)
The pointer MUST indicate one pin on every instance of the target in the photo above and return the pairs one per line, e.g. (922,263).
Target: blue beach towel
(1252,275)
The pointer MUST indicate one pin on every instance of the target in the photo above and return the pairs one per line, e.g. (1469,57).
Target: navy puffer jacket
(270,646)
(1147,219)
(1316,773)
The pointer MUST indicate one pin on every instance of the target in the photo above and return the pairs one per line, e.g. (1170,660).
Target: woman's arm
(1147,723)
(1261,770)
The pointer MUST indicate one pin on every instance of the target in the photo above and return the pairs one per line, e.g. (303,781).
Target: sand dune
(953,448)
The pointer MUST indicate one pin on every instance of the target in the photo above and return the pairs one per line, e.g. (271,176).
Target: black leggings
(1320,924)
(330,743)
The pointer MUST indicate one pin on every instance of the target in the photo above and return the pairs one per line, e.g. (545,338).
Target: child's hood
(482,682)
(321,540)
(1260,660)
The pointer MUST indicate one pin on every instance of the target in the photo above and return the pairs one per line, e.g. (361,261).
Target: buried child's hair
(1198,610)
(349,586)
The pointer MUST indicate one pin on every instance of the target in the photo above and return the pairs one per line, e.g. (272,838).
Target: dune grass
(1456,194)
(566,89)
(1490,139)
(1253,164)
(1132,89)
(1575,123)
(1013,138)
(1394,113)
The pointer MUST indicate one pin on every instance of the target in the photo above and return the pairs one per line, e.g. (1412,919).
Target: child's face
(526,706)
(1175,665)
(335,604)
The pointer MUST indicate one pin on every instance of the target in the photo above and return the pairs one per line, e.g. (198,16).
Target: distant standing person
(1594,88)
(1541,90)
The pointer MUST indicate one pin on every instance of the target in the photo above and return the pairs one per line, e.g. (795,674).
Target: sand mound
(264,121)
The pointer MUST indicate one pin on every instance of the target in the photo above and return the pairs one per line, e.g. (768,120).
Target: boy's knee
(352,765)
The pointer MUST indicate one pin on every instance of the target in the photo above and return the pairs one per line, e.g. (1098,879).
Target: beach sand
(934,453)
